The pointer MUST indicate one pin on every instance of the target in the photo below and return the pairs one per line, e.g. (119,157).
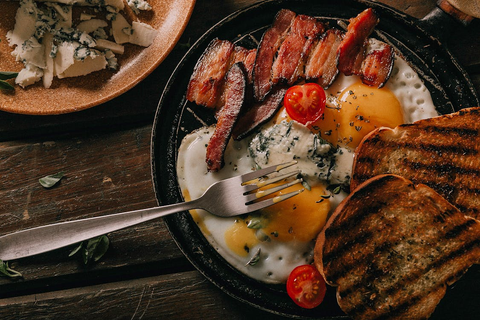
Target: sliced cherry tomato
(306,287)
(305,103)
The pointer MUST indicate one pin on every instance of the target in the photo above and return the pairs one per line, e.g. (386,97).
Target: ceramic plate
(169,17)
(176,117)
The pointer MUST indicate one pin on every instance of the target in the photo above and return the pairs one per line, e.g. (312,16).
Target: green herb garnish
(5,75)
(6,271)
(255,258)
(51,180)
(92,250)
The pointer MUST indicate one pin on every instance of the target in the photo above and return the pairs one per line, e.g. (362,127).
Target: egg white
(277,259)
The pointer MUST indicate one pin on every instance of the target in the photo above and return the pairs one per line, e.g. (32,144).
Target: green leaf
(6,86)
(5,75)
(5,270)
(93,249)
(74,251)
(51,180)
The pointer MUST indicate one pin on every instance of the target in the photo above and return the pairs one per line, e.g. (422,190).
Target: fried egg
(270,243)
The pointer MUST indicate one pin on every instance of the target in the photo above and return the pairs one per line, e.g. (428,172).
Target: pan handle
(446,17)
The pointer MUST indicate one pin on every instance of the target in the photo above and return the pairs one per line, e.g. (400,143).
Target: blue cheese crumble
(49,45)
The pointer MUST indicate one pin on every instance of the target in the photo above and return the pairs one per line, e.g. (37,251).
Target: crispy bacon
(236,83)
(209,73)
(377,66)
(292,55)
(351,51)
(321,65)
(245,56)
(259,113)
(269,44)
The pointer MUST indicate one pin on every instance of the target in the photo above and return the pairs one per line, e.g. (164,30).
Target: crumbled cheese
(137,5)
(28,75)
(49,45)
(143,34)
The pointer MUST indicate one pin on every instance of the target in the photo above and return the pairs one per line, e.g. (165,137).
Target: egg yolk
(299,218)
(240,238)
(361,109)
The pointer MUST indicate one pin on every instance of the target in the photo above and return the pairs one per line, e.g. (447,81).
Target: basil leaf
(51,180)
(93,249)
(6,86)
(97,247)
(5,75)
(5,270)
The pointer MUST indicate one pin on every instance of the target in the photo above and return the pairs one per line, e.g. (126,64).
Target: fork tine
(265,171)
(263,193)
(257,183)
(268,202)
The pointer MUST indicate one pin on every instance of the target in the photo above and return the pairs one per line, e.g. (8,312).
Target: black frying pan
(422,44)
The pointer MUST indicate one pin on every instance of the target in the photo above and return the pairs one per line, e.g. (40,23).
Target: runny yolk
(361,109)
(239,238)
(299,218)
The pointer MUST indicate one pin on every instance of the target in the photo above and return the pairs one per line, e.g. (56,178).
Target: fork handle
(37,240)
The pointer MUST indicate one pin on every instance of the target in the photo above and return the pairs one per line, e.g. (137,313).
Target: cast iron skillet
(450,87)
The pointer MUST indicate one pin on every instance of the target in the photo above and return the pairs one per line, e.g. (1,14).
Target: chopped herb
(255,223)
(6,271)
(255,258)
(51,180)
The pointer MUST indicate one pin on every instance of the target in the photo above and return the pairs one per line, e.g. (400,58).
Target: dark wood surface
(105,152)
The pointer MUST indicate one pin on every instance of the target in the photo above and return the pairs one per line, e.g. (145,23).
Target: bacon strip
(377,66)
(245,56)
(321,65)
(209,73)
(351,51)
(234,97)
(260,113)
(269,44)
(293,53)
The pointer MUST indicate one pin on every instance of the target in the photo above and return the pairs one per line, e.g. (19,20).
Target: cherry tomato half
(305,103)
(306,287)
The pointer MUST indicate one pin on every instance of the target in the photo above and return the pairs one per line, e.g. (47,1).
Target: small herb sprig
(6,271)
(5,75)
(92,250)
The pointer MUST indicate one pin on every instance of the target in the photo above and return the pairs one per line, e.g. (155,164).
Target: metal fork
(226,198)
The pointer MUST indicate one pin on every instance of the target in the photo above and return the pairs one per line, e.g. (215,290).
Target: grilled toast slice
(442,153)
(392,247)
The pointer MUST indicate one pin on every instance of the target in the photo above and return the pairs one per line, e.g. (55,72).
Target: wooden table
(105,152)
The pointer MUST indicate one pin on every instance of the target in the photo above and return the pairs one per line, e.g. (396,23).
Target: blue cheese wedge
(143,34)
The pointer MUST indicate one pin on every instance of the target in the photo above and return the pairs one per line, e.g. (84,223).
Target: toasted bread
(442,153)
(392,247)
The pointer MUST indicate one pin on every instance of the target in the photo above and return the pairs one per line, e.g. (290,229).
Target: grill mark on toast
(411,300)
(341,272)
(461,131)
(453,233)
